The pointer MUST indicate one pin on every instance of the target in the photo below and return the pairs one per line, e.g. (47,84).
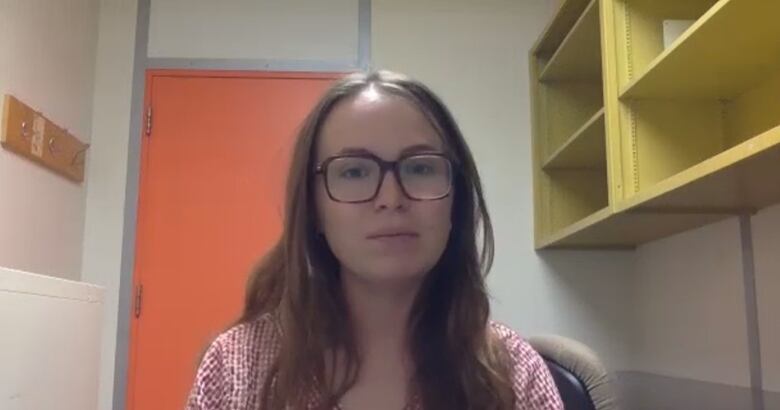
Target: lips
(394,242)
(392,233)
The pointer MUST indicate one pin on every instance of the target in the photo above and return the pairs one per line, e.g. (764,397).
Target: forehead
(382,123)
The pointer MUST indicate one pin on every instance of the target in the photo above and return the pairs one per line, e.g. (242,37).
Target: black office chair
(581,378)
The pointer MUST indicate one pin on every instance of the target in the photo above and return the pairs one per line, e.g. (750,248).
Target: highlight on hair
(459,363)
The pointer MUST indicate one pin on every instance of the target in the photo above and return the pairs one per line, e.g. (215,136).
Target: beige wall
(47,58)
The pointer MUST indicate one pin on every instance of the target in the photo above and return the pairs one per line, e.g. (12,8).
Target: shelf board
(626,230)
(561,235)
(743,178)
(740,180)
(586,148)
(717,57)
(578,58)
(568,13)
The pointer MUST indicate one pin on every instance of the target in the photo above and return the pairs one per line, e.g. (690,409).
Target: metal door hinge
(139,295)
(148,120)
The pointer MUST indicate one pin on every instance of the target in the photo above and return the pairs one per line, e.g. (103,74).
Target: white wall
(49,347)
(107,172)
(691,319)
(691,310)
(268,29)
(766,234)
(474,54)
(47,58)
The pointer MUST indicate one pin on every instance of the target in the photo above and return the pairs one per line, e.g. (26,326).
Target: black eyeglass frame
(384,167)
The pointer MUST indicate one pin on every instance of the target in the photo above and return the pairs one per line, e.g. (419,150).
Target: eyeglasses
(358,178)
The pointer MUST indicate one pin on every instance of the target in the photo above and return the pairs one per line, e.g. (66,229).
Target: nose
(390,195)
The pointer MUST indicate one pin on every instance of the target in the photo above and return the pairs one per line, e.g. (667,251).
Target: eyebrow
(412,149)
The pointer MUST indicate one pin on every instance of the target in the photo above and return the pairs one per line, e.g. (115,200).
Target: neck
(379,312)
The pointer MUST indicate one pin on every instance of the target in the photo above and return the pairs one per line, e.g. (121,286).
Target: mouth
(394,241)
(392,234)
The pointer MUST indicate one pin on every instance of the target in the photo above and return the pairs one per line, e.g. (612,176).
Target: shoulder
(233,364)
(531,380)
(516,346)
(259,335)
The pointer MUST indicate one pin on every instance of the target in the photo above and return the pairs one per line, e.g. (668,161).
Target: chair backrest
(573,392)
(581,378)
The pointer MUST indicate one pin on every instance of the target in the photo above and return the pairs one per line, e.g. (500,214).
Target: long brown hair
(459,364)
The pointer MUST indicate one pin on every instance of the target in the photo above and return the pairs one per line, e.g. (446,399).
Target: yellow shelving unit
(641,132)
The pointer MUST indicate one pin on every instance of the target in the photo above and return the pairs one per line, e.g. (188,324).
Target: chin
(396,270)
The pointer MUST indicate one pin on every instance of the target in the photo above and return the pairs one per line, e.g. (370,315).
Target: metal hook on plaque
(25,130)
(82,153)
(54,149)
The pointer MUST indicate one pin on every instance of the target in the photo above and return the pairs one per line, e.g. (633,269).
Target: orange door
(210,204)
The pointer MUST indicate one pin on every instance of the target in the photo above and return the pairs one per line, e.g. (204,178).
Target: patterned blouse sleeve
(531,380)
(213,386)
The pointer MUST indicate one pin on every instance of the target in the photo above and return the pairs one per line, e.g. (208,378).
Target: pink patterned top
(238,361)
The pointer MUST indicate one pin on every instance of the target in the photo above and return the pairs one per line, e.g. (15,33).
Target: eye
(354,172)
(423,166)
(420,169)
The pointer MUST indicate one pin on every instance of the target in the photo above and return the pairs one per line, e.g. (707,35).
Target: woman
(374,297)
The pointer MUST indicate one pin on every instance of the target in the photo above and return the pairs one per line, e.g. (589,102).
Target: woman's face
(391,237)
